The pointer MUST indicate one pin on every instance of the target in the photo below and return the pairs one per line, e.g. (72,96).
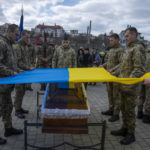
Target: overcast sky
(106,15)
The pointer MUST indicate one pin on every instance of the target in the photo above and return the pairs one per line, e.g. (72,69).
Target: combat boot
(120,132)
(128,139)
(107,112)
(146,119)
(12,131)
(19,114)
(114,118)
(2,141)
(140,115)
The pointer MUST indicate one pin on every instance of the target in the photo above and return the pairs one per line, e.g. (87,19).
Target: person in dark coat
(87,61)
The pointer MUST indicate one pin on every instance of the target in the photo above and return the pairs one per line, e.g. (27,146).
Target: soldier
(144,100)
(64,56)
(132,66)
(113,59)
(21,49)
(31,59)
(8,67)
(45,54)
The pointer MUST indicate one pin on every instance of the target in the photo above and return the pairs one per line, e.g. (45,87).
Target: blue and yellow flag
(68,75)
(21,24)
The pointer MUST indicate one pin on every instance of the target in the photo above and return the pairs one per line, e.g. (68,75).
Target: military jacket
(8,58)
(113,56)
(21,49)
(64,58)
(45,51)
(31,54)
(133,61)
(8,62)
(147,64)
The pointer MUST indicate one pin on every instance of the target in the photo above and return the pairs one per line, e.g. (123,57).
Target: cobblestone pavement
(98,100)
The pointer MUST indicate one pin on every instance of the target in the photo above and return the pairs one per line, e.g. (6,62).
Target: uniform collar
(132,43)
(116,46)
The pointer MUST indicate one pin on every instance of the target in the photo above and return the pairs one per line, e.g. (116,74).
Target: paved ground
(98,100)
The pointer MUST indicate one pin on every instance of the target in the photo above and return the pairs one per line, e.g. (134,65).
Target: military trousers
(19,94)
(114,97)
(6,108)
(144,100)
(128,104)
(141,97)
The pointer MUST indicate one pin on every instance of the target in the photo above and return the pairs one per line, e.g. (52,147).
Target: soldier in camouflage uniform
(64,56)
(8,67)
(31,59)
(113,59)
(144,97)
(45,54)
(132,66)
(21,49)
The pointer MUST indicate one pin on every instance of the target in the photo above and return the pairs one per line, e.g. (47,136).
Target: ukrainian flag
(21,24)
(66,76)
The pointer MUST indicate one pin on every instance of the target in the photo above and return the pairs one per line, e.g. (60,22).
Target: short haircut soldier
(132,30)
(12,27)
(115,36)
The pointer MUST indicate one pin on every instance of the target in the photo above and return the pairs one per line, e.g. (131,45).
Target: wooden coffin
(66,100)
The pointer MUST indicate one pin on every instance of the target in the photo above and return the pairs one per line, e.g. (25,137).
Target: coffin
(65,109)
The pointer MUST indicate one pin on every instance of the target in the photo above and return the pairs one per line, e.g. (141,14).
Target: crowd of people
(132,61)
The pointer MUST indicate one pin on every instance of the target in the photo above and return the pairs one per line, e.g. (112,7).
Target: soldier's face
(130,37)
(65,43)
(26,38)
(14,35)
(113,41)
(86,51)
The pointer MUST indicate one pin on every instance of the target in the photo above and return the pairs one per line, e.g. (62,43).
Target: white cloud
(105,14)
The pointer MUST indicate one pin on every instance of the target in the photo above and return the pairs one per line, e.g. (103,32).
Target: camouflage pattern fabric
(132,65)
(64,58)
(21,49)
(113,97)
(143,98)
(113,58)
(128,104)
(6,108)
(45,51)
(19,93)
(8,65)
(32,54)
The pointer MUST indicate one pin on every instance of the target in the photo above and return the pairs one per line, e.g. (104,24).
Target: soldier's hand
(46,60)
(32,68)
(15,73)
(147,82)
(100,66)
(21,70)
(111,72)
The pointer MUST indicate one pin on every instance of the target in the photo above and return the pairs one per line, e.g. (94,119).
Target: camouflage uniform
(132,66)
(8,65)
(143,99)
(21,49)
(32,54)
(112,60)
(31,60)
(44,51)
(64,58)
